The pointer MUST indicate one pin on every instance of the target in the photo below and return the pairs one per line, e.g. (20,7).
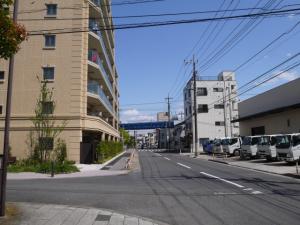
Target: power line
(167,23)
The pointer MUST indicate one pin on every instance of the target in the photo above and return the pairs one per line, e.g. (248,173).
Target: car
(249,146)
(288,147)
(267,147)
(232,145)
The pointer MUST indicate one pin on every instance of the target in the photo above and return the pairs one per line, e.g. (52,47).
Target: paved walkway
(42,214)
(92,170)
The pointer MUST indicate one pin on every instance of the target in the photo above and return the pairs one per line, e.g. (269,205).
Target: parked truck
(232,145)
(249,146)
(267,147)
(288,147)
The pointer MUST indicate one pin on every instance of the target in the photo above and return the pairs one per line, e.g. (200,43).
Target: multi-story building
(216,107)
(67,49)
(162,116)
(276,111)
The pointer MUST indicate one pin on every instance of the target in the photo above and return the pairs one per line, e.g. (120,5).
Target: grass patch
(29,166)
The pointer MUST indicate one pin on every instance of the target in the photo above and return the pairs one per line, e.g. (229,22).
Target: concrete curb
(127,166)
(218,161)
(112,159)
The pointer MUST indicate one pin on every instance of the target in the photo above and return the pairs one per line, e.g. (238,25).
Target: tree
(11,34)
(45,128)
(128,140)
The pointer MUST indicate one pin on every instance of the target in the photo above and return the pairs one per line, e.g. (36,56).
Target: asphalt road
(177,190)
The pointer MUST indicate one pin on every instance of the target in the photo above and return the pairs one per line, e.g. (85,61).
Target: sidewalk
(91,170)
(46,214)
(281,168)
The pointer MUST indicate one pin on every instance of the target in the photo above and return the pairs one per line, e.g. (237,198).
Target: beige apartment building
(77,59)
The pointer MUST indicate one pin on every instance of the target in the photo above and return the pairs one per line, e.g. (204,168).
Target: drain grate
(102,218)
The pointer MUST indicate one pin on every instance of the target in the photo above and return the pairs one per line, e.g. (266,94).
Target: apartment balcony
(96,62)
(96,95)
(96,35)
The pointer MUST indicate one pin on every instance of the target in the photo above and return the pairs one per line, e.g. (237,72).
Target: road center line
(184,165)
(167,158)
(227,181)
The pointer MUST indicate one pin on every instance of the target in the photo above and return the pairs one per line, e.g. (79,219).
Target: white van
(288,147)
(267,146)
(232,145)
(249,146)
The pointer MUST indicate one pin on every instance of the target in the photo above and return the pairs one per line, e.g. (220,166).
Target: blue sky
(149,60)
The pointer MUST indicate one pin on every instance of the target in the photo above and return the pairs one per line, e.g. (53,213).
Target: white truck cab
(232,145)
(288,147)
(267,146)
(249,146)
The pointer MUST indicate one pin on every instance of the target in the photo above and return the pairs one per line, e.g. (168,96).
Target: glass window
(51,9)
(296,140)
(255,140)
(1,75)
(48,73)
(233,141)
(219,106)
(203,108)
(1,109)
(50,40)
(265,140)
(201,91)
(47,107)
(283,141)
(219,123)
(217,89)
(246,140)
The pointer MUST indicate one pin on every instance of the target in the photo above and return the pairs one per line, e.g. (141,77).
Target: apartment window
(219,123)
(48,73)
(50,41)
(202,108)
(1,109)
(1,76)
(190,109)
(186,112)
(219,106)
(51,9)
(232,87)
(217,89)
(46,143)
(201,91)
(47,107)
(288,123)
(189,94)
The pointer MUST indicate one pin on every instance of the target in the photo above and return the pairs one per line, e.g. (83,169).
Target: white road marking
(227,181)
(256,192)
(167,158)
(184,165)
(248,189)
(158,154)
(225,193)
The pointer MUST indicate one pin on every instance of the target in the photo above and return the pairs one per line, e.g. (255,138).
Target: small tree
(11,34)
(45,128)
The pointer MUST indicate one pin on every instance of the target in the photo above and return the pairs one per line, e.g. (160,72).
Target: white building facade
(217,106)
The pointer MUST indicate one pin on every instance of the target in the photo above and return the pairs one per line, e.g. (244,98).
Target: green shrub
(60,151)
(107,150)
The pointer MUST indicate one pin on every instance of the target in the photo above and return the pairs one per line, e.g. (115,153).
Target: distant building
(162,116)
(274,111)
(214,117)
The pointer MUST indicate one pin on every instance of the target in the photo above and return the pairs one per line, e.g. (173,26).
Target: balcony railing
(95,88)
(95,28)
(94,57)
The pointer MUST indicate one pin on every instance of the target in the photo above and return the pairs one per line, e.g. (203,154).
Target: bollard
(297,164)
(52,168)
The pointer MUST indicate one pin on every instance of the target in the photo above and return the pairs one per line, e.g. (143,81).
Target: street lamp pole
(7,123)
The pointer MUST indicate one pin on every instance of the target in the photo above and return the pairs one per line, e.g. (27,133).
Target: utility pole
(195,106)
(169,121)
(224,103)
(3,167)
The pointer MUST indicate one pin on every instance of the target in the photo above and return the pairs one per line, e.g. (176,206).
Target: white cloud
(134,115)
(283,78)
(291,16)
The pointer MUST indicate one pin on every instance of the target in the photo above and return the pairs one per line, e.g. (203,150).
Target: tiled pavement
(45,214)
